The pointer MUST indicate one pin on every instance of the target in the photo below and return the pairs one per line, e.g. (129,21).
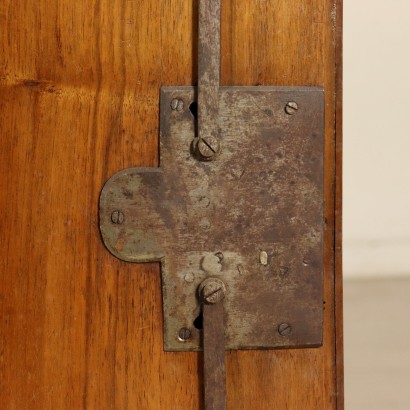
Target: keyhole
(194,109)
(199,322)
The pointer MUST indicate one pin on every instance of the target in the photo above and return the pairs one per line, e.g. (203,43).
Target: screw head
(184,334)
(208,147)
(291,107)
(284,329)
(177,104)
(212,290)
(117,217)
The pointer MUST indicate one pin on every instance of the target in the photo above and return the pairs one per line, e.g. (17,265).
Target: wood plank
(79,92)
(338,207)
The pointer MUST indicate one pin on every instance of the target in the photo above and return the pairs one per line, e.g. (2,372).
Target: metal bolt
(291,108)
(177,104)
(285,329)
(208,147)
(117,217)
(212,290)
(184,334)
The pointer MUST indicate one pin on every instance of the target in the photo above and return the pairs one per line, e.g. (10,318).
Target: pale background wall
(376,138)
(377,204)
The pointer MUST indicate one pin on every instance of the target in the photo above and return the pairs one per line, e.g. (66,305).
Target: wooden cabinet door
(79,100)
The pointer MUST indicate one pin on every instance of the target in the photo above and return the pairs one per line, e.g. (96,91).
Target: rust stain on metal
(262,193)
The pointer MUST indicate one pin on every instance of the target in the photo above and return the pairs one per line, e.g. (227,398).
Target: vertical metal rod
(214,357)
(209,56)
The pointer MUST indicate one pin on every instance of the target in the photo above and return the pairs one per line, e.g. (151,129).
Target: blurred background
(377,204)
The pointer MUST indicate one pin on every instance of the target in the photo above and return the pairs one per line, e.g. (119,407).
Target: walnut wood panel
(79,100)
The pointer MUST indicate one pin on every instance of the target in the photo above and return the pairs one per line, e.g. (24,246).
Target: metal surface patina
(252,216)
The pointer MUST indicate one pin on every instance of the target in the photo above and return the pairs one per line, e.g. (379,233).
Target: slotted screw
(184,334)
(285,329)
(291,107)
(117,217)
(177,104)
(212,290)
(208,147)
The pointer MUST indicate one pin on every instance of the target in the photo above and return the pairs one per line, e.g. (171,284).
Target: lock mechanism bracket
(248,211)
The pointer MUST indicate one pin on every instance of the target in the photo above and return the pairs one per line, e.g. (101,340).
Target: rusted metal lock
(237,201)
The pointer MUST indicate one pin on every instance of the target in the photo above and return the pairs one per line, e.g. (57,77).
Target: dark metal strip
(214,357)
(209,50)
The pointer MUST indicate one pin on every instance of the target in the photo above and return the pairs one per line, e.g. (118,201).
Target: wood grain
(338,205)
(79,92)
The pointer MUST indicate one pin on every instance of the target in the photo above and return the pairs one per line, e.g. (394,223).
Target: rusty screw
(117,217)
(285,329)
(184,334)
(291,107)
(212,290)
(208,147)
(177,104)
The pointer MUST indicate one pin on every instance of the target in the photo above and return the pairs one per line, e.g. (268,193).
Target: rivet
(117,217)
(291,107)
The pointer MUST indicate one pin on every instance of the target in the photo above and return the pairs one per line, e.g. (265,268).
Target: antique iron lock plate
(252,217)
